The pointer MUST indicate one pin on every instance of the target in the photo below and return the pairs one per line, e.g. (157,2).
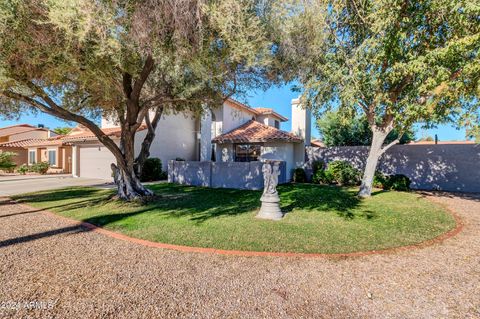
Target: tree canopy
(132,61)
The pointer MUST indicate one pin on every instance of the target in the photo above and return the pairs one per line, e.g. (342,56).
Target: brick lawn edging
(440,238)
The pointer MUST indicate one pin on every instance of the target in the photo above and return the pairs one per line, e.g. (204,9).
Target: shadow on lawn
(200,204)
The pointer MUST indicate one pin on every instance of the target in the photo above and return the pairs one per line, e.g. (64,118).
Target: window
(277,124)
(31,157)
(52,157)
(247,152)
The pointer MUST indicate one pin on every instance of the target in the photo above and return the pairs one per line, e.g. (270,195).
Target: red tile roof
(317,143)
(253,132)
(57,141)
(17,129)
(269,111)
(87,135)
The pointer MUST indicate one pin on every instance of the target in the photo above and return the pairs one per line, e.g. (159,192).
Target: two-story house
(231,132)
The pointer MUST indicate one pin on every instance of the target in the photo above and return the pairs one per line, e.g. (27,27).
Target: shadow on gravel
(28,238)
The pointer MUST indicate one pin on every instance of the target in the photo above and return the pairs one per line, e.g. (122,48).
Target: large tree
(128,60)
(398,61)
(337,129)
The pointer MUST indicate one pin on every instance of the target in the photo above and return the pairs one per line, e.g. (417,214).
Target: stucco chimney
(301,121)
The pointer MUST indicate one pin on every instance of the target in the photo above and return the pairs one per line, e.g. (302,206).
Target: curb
(241,253)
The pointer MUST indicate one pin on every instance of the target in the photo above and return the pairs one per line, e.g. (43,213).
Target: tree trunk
(147,141)
(374,155)
(129,186)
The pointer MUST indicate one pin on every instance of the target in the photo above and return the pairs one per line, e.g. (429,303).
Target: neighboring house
(231,132)
(54,150)
(15,139)
(24,132)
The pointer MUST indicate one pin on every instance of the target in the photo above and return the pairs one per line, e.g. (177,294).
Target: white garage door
(95,162)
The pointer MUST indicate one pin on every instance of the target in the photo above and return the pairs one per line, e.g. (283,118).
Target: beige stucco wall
(176,136)
(233,117)
(269,120)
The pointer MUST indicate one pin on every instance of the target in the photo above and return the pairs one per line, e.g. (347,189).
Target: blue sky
(278,98)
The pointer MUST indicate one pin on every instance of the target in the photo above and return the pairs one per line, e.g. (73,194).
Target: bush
(299,175)
(379,180)
(40,168)
(317,166)
(343,173)
(152,170)
(396,182)
(6,161)
(323,177)
(23,169)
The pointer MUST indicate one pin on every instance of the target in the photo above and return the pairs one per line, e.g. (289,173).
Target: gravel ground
(69,272)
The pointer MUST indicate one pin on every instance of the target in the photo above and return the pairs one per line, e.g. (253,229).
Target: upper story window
(277,124)
(247,152)
(52,157)
(32,157)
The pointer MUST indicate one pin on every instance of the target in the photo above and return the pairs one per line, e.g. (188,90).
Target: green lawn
(320,219)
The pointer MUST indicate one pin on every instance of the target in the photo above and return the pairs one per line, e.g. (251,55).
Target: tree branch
(138,85)
(53,109)
(386,147)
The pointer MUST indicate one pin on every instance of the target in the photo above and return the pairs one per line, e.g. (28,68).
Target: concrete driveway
(14,185)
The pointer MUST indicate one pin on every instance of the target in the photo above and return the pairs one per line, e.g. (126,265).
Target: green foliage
(23,169)
(6,161)
(323,177)
(62,130)
(40,168)
(397,182)
(79,51)
(400,62)
(343,173)
(152,170)
(337,130)
(379,179)
(317,166)
(337,172)
(299,175)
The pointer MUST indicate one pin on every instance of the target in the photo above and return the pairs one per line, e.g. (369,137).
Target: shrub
(23,169)
(379,180)
(6,161)
(40,168)
(299,175)
(323,177)
(152,170)
(398,182)
(343,173)
(317,166)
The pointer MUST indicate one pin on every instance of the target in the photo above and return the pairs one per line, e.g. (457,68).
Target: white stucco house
(232,132)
